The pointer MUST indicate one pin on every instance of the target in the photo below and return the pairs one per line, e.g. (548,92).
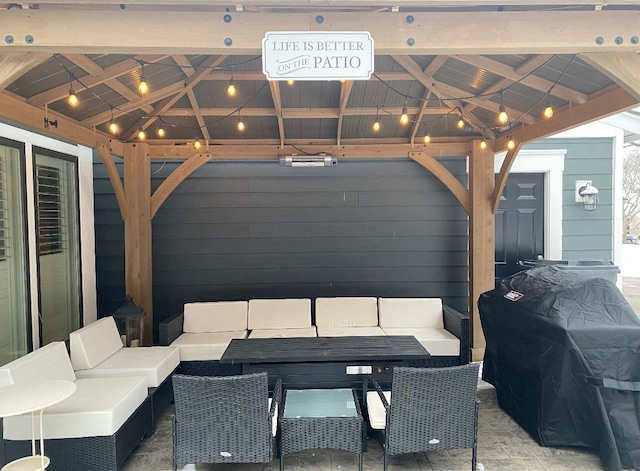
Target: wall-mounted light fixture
(587,194)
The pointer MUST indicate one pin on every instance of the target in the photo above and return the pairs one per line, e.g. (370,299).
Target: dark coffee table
(326,362)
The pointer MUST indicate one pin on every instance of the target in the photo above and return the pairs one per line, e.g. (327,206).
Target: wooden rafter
(277,104)
(188,70)
(345,91)
(14,65)
(621,67)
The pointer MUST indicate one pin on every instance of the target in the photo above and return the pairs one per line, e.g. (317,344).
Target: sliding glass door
(14,312)
(57,224)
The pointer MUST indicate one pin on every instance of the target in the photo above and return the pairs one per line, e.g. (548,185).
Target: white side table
(33,396)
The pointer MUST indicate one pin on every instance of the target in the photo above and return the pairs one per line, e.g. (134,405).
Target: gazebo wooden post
(481,239)
(137,231)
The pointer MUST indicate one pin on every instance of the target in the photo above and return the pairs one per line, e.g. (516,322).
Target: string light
(483,144)
(141,134)
(404,118)
(196,144)
(231,88)
(548,110)
(503,118)
(161,132)
(72,99)
(427,138)
(241,126)
(290,82)
(143,86)
(511,144)
(113,127)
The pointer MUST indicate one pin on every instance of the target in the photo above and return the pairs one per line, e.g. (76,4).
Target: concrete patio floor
(502,446)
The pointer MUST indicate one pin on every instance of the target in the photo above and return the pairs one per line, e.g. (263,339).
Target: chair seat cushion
(282,333)
(205,345)
(98,407)
(376,410)
(154,363)
(346,331)
(438,342)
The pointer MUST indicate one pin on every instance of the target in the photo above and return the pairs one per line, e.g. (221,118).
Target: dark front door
(519,222)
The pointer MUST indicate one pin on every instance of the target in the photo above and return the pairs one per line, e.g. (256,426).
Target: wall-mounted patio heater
(321,160)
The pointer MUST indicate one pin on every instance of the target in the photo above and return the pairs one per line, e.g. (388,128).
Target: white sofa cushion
(346,312)
(216,316)
(376,410)
(438,342)
(94,343)
(282,333)
(410,312)
(205,345)
(153,363)
(279,313)
(48,362)
(346,331)
(98,407)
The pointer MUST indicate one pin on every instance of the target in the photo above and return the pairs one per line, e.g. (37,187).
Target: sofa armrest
(458,324)
(170,329)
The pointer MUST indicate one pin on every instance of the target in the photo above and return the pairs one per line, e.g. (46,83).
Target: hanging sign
(321,55)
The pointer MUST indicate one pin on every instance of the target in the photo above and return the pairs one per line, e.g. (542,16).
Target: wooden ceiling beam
(170,99)
(622,68)
(345,91)
(277,104)
(301,113)
(522,74)
(610,101)
(497,32)
(90,67)
(258,76)
(188,70)
(112,72)
(347,150)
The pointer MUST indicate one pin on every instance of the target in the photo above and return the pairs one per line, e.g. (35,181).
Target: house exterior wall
(242,230)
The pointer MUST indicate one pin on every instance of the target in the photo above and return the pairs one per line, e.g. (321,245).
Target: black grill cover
(563,353)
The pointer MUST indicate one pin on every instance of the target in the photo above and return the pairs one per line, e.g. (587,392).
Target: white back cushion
(49,362)
(94,343)
(279,313)
(215,316)
(410,312)
(346,312)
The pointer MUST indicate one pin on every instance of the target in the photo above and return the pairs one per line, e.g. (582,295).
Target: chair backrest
(48,362)
(94,343)
(433,409)
(279,313)
(347,311)
(215,316)
(222,419)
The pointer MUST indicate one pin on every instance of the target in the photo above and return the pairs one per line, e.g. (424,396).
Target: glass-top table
(321,418)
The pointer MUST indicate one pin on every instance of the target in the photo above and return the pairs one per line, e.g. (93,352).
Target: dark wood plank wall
(242,230)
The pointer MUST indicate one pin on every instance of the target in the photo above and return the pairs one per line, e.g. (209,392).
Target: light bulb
(197,144)
(503,118)
(142,135)
(290,82)
(483,144)
(231,89)
(143,87)
(72,99)
(161,132)
(511,144)
(404,118)
(240,125)
(427,139)
(376,125)
(460,123)
(548,111)
(113,128)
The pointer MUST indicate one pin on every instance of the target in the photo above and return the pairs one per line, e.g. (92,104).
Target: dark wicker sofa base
(90,453)
(161,397)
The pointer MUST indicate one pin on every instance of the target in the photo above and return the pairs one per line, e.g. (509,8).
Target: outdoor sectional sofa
(96,428)
(203,330)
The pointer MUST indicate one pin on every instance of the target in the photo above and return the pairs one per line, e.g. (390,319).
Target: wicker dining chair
(224,419)
(427,409)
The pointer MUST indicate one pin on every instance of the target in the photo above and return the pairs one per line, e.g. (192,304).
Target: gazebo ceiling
(441,60)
